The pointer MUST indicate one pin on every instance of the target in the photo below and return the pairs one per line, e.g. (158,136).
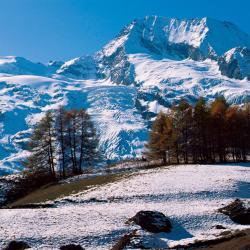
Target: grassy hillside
(55,191)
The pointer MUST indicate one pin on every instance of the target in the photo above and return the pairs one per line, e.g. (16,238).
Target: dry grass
(55,191)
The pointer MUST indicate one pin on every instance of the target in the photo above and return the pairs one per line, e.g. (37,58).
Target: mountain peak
(160,35)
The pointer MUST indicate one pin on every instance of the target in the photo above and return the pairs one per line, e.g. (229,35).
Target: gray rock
(237,212)
(152,221)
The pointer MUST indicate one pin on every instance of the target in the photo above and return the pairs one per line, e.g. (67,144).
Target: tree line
(62,144)
(203,133)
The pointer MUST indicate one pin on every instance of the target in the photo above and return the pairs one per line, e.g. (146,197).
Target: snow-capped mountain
(152,63)
(21,66)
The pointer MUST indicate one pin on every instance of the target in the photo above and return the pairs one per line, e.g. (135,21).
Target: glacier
(151,64)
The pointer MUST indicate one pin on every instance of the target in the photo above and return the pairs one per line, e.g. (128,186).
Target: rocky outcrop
(116,67)
(81,67)
(237,212)
(152,221)
(53,66)
(176,50)
(235,63)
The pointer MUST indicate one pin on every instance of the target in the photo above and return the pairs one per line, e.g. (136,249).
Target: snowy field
(189,194)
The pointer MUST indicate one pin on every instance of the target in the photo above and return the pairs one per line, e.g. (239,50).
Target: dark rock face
(117,67)
(71,247)
(235,63)
(152,221)
(17,245)
(230,69)
(237,212)
(181,50)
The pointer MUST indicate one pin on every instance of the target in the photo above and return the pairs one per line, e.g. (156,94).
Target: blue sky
(41,30)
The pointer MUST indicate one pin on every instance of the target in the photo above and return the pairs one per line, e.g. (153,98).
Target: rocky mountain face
(236,63)
(151,64)
(197,39)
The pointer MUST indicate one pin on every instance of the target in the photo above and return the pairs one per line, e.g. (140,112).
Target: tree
(200,141)
(60,129)
(42,149)
(77,139)
(218,109)
(161,138)
(88,151)
(63,142)
(183,125)
(216,132)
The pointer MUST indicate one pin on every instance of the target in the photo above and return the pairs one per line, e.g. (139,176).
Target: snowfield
(189,194)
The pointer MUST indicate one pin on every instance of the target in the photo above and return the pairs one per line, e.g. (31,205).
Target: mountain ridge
(124,85)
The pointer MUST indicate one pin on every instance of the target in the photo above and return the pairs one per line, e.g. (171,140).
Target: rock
(16,245)
(71,247)
(152,221)
(219,227)
(237,212)
(235,63)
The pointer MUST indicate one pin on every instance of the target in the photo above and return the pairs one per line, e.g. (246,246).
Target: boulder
(237,212)
(152,221)
(16,245)
(219,227)
(71,247)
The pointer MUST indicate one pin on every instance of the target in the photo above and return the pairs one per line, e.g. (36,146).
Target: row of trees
(62,144)
(204,133)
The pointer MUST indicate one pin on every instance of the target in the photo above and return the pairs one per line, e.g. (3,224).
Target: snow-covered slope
(152,63)
(24,99)
(82,67)
(21,66)
(190,195)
